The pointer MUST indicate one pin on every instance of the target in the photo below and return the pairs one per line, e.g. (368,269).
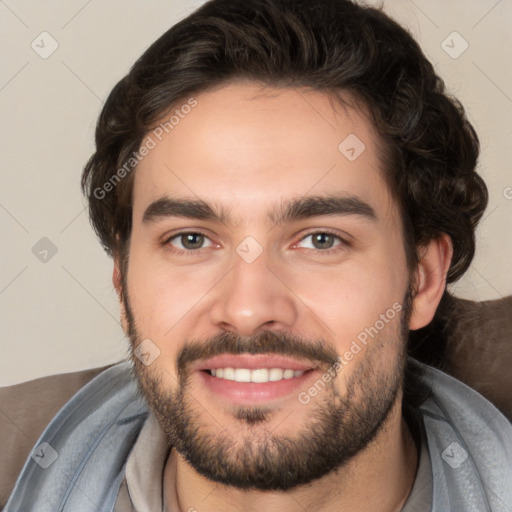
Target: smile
(258,375)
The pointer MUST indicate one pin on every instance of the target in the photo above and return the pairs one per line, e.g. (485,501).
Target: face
(266,293)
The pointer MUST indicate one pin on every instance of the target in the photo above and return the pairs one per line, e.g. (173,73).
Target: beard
(338,426)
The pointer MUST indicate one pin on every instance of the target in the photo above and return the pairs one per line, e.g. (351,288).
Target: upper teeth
(259,375)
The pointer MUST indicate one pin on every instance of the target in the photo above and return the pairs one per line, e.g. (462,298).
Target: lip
(253,362)
(246,393)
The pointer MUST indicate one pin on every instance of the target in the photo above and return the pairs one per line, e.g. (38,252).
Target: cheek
(351,297)
(163,301)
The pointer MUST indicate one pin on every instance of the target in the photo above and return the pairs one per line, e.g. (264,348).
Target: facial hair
(338,426)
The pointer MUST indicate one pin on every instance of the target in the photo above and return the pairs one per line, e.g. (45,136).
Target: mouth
(245,379)
(259,375)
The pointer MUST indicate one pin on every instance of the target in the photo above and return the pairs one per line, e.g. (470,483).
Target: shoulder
(25,411)
(470,445)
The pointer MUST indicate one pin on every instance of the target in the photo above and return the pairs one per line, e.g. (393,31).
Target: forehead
(244,146)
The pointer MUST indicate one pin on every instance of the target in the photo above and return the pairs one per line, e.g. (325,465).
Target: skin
(248,149)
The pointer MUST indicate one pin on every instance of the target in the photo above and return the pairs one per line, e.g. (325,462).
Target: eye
(320,241)
(189,241)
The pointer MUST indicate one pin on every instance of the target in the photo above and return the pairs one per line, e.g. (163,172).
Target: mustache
(274,342)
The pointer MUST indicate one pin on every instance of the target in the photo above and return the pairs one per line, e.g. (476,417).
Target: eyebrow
(316,206)
(295,209)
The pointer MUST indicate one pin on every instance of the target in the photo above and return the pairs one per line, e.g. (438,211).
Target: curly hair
(430,150)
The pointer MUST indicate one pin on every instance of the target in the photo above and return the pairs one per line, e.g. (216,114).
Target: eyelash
(343,243)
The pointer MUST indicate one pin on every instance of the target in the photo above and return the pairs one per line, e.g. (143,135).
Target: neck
(379,478)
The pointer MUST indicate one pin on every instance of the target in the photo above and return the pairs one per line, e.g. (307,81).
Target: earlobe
(117,282)
(430,280)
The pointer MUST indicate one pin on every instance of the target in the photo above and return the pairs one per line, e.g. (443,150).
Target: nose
(252,298)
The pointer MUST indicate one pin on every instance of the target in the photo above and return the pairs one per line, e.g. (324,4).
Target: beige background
(62,315)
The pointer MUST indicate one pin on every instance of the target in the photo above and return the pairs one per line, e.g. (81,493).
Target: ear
(430,280)
(117,282)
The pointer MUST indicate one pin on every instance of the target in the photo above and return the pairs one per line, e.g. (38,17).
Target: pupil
(323,241)
(192,240)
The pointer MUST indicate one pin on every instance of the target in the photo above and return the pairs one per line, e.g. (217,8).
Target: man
(285,190)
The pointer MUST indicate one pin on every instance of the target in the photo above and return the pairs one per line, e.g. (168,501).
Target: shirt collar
(145,467)
(146,464)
